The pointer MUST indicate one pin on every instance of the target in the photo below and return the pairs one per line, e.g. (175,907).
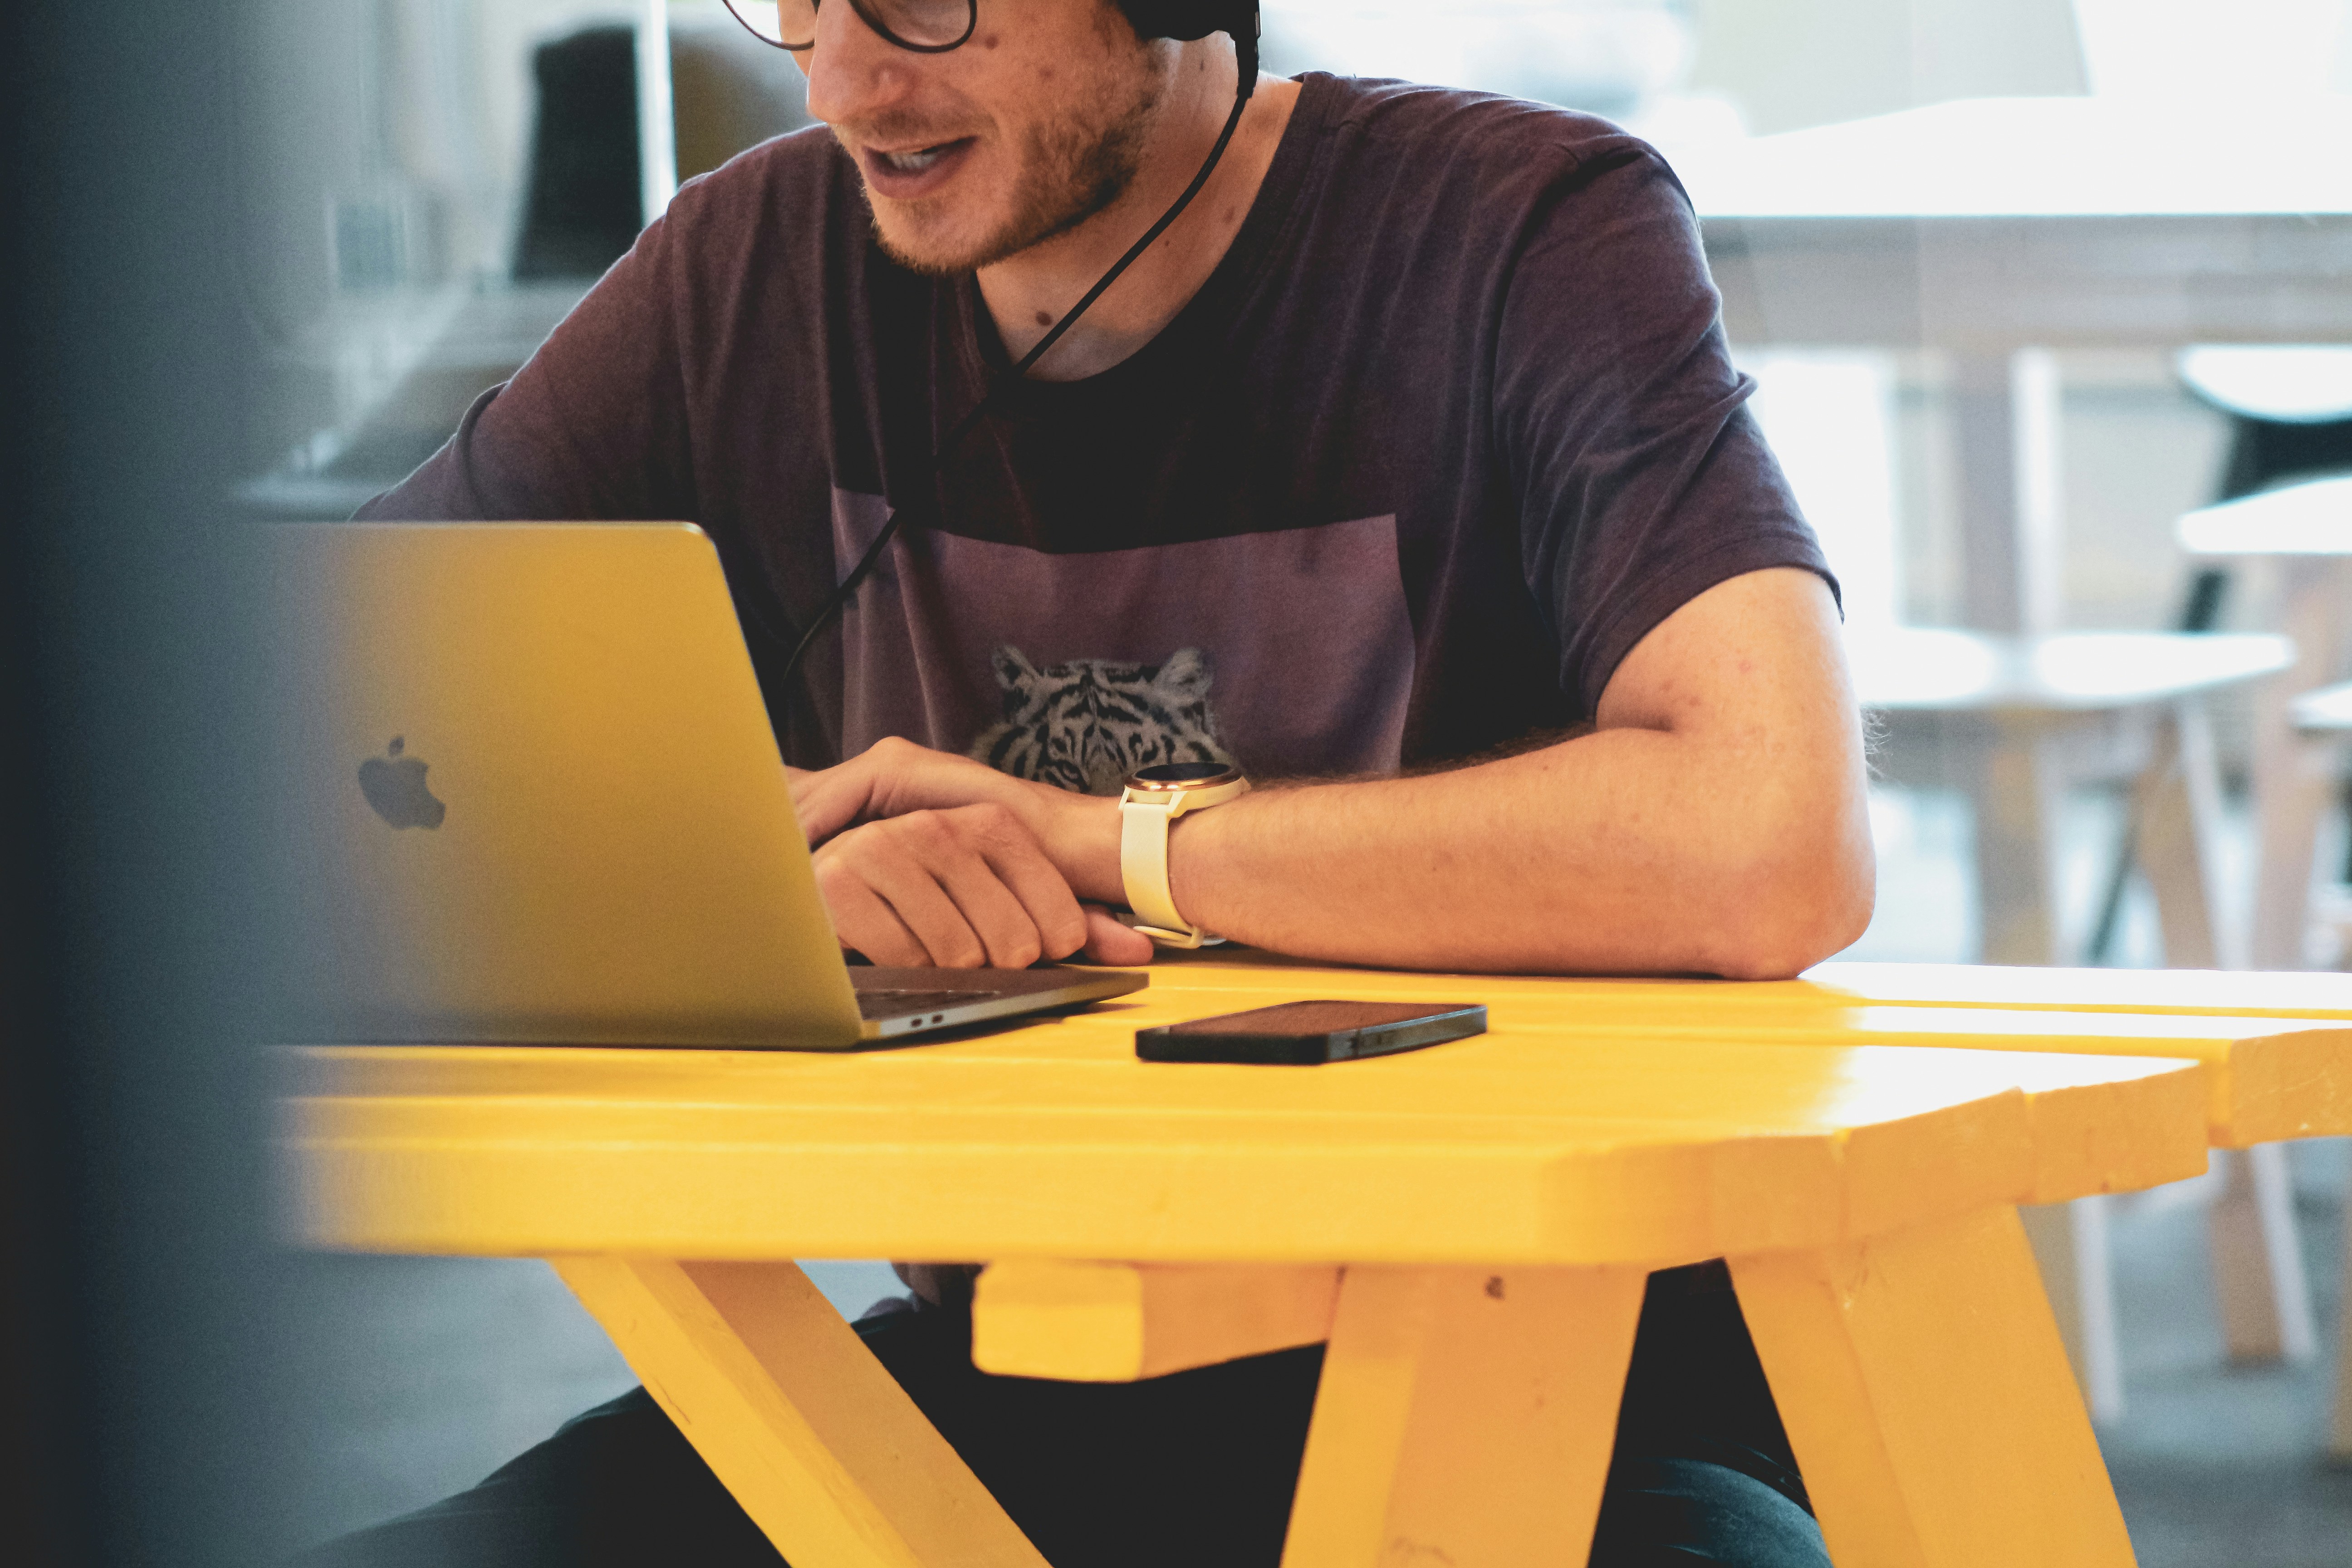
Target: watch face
(1184,775)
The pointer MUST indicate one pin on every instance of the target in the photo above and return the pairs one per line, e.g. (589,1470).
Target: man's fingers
(827,801)
(999,879)
(959,850)
(994,912)
(913,889)
(1020,863)
(1109,941)
(866,924)
(869,864)
(931,868)
(970,885)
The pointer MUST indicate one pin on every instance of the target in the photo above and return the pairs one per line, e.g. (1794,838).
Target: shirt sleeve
(1644,480)
(595,426)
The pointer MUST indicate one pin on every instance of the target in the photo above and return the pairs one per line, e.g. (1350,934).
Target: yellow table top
(1551,1139)
(2277,1046)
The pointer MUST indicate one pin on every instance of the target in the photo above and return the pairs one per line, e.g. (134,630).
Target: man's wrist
(1080,833)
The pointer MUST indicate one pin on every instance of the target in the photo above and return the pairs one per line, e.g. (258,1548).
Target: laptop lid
(532,794)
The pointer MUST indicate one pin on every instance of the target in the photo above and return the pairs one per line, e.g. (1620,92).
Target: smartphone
(1302,1034)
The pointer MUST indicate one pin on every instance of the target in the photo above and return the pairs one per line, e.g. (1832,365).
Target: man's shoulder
(796,172)
(1404,126)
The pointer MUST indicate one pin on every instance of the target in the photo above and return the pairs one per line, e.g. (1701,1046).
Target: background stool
(2290,410)
(2304,532)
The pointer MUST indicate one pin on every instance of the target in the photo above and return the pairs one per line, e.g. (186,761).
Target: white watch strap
(1143,868)
(1143,827)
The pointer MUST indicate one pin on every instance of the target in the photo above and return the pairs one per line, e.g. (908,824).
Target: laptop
(531,795)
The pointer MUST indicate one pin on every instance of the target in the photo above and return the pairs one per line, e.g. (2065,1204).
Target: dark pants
(1190,1471)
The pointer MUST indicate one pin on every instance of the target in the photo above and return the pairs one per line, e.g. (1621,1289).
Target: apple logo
(395,786)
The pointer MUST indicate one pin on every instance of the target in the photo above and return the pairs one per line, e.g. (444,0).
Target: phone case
(1308,1034)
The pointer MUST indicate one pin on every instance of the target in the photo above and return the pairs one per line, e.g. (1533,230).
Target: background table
(2012,721)
(1486,1215)
(1990,228)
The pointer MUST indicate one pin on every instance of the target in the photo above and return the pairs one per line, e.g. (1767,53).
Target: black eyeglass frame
(881,30)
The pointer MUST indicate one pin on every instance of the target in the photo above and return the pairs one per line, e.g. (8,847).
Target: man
(1407,470)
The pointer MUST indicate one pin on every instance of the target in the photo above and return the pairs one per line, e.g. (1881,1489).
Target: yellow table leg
(1464,1418)
(1926,1393)
(822,1448)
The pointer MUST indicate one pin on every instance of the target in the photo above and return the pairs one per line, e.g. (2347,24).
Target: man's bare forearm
(1716,823)
(1617,851)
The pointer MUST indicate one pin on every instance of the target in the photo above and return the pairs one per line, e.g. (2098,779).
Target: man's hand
(894,777)
(961,889)
(928,858)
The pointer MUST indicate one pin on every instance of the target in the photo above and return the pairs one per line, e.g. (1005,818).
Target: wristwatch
(1153,799)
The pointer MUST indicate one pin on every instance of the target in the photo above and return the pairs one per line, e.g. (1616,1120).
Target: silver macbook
(535,797)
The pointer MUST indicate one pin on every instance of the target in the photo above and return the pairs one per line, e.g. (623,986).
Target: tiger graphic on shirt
(1087,724)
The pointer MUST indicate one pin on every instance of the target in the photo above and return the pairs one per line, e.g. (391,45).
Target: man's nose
(852,69)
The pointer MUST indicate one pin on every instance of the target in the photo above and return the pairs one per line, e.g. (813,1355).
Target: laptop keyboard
(890,1003)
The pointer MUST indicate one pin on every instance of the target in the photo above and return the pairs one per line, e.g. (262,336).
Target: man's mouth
(906,172)
(916,162)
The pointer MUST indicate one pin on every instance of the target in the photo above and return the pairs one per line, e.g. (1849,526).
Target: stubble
(1067,174)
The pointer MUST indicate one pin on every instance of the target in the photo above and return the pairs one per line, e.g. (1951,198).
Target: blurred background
(262,255)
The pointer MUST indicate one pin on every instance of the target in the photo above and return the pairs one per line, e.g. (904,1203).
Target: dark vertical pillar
(134,962)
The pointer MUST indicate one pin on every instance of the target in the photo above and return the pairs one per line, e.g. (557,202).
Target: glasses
(926,26)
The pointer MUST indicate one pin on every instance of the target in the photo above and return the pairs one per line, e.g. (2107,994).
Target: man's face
(1032,127)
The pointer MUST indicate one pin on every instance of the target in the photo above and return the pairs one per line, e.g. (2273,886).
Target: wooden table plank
(1537,1144)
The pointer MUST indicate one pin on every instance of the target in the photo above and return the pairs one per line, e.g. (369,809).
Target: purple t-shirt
(1448,430)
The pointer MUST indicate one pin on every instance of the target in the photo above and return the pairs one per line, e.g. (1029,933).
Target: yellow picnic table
(2277,1047)
(1470,1228)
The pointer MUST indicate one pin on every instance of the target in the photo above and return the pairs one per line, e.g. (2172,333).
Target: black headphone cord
(1246,53)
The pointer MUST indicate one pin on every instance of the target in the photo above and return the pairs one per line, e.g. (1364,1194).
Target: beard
(1067,173)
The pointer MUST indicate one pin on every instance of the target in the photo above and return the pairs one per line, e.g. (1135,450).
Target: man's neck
(1027,293)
